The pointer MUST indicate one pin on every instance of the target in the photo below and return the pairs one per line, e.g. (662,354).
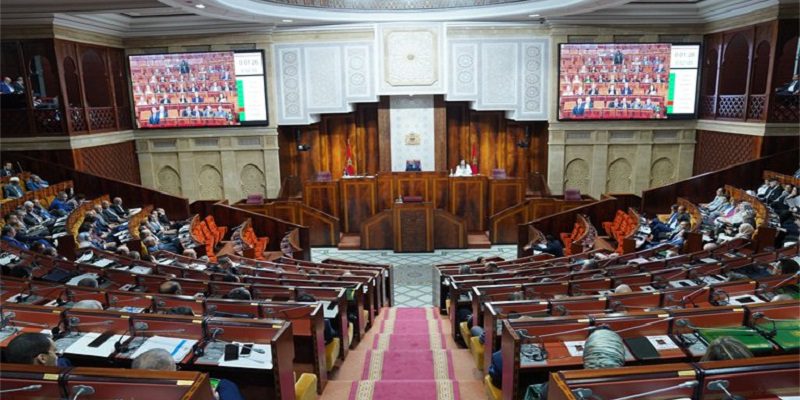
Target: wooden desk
(411,223)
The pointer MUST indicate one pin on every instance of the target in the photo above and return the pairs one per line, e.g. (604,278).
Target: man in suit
(13,190)
(618,57)
(612,90)
(593,91)
(41,211)
(108,214)
(118,209)
(6,87)
(196,98)
(35,182)
(660,68)
(9,236)
(637,104)
(579,108)
(184,67)
(8,170)
(19,85)
(613,104)
(187,112)
(155,117)
(626,89)
(31,218)
(774,192)
(60,205)
(165,99)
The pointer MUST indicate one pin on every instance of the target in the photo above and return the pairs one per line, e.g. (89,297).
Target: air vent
(163,144)
(249,141)
(206,142)
(579,135)
(665,135)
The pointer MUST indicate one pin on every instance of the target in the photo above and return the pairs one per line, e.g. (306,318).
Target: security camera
(303,147)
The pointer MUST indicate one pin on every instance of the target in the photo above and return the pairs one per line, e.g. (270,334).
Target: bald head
(157,359)
(170,287)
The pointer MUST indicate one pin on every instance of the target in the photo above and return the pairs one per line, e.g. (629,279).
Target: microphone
(218,331)
(684,385)
(690,297)
(29,388)
(144,327)
(723,385)
(81,390)
(75,321)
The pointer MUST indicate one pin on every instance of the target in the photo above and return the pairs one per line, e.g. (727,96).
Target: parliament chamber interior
(400,199)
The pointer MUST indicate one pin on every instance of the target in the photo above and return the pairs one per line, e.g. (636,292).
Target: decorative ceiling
(389,5)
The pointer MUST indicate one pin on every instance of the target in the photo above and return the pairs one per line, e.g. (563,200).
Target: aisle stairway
(410,355)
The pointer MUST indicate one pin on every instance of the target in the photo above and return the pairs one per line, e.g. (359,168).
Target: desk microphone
(219,331)
(29,388)
(684,385)
(81,390)
(690,297)
(144,327)
(722,385)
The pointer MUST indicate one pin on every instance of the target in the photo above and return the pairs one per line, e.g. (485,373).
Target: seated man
(34,349)
(13,190)
(61,205)
(118,209)
(161,360)
(9,236)
(170,287)
(108,214)
(35,182)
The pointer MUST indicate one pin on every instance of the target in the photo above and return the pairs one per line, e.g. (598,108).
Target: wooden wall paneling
(441,192)
(412,224)
(359,201)
(386,191)
(717,150)
(384,135)
(440,133)
(503,225)
(377,232)
(263,225)
(504,193)
(412,185)
(449,231)
(117,161)
(323,196)
(323,229)
(468,199)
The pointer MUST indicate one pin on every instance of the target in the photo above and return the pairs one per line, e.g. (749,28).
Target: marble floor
(414,275)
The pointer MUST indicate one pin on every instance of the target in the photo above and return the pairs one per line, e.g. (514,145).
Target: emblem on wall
(413,139)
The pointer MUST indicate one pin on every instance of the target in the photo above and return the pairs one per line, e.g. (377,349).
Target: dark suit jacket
(121,212)
(31,220)
(773,194)
(111,216)
(12,191)
(627,91)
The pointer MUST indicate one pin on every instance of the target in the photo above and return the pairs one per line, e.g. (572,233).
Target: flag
(474,163)
(349,169)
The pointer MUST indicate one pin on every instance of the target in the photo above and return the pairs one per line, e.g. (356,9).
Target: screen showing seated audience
(620,81)
(213,89)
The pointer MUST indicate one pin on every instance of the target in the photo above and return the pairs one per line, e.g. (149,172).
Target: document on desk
(662,342)
(255,360)
(103,262)
(8,259)
(575,348)
(165,261)
(81,346)
(177,347)
(329,309)
(85,257)
(744,299)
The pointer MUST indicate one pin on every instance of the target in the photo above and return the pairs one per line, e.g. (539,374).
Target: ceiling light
(200,6)
(533,15)
(287,20)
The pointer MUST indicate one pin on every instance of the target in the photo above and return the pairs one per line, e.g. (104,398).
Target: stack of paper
(177,347)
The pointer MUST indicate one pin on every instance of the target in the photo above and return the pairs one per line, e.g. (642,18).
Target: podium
(412,225)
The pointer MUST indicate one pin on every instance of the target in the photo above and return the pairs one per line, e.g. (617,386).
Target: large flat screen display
(213,89)
(620,81)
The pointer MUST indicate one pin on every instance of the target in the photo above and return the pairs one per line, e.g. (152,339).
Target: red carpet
(407,355)
(404,390)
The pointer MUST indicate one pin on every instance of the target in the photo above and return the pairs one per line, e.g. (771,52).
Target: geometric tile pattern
(416,283)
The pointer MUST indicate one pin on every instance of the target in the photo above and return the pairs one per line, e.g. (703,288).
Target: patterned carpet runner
(407,359)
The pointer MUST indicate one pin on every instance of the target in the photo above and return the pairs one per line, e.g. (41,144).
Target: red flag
(474,163)
(349,169)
